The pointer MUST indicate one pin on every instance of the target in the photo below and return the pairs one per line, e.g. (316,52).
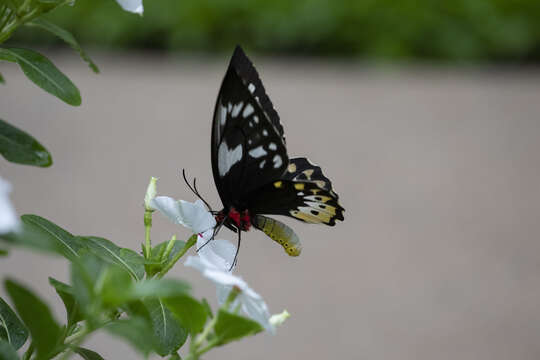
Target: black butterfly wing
(248,148)
(302,192)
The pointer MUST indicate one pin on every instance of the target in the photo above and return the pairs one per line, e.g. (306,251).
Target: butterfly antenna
(199,195)
(237,250)
(194,189)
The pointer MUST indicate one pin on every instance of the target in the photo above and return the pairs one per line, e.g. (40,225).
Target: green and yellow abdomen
(280,233)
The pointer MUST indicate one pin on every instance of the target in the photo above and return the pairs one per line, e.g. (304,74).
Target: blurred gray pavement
(438,169)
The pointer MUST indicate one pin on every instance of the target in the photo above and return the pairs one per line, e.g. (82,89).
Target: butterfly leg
(237,250)
(216,230)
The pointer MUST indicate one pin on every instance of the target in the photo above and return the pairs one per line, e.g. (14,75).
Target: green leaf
(207,308)
(190,312)
(115,286)
(155,264)
(7,352)
(4,252)
(230,327)
(109,252)
(36,316)
(41,232)
(135,331)
(43,73)
(87,354)
(11,328)
(19,147)
(160,288)
(85,275)
(118,288)
(73,311)
(2,80)
(67,37)
(7,56)
(170,335)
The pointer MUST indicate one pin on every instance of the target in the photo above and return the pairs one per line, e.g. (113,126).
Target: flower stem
(196,351)
(147,228)
(192,241)
(208,346)
(28,354)
(168,249)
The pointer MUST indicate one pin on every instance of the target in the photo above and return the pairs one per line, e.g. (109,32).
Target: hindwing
(303,192)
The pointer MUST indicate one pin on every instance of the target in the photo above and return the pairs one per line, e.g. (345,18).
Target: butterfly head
(239,219)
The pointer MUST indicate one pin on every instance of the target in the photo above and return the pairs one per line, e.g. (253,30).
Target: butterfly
(252,170)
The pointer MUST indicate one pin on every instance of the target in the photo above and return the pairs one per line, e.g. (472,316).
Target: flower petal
(8,217)
(168,207)
(191,215)
(218,252)
(215,274)
(135,6)
(196,216)
(222,292)
(256,308)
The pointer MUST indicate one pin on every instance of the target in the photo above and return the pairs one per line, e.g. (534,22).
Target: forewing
(309,199)
(248,149)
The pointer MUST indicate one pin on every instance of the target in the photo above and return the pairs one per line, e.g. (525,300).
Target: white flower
(134,6)
(151,192)
(214,262)
(8,217)
(215,257)
(191,215)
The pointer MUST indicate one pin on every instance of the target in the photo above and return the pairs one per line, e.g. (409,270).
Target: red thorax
(242,220)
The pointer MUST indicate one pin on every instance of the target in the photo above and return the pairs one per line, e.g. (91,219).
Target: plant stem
(195,349)
(192,241)
(168,249)
(202,336)
(147,228)
(208,346)
(74,341)
(28,354)
(8,30)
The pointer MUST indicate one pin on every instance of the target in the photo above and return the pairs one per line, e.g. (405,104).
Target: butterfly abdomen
(280,233)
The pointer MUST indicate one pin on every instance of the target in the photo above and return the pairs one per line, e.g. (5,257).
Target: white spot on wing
(257,152)
(229,107)
(222,114)
(236,109)
(265,133)
(251,88)
(228,157)
(261,165)
(248,110)
(272,146)
(277,161)
(256,119)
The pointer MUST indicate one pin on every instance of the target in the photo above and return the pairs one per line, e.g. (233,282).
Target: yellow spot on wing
(278,184)
(299,186)
(320,183)
(306,215)
(291,168)
(308,173)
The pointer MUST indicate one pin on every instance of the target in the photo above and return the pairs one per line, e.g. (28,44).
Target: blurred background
(424,114)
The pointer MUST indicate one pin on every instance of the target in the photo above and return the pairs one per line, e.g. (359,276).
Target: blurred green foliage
(422,29)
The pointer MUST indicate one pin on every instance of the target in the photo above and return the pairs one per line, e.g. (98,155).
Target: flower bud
(151,192)
(278,319)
